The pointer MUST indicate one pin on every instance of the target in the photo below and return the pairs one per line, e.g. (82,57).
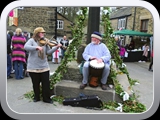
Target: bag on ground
(87,101)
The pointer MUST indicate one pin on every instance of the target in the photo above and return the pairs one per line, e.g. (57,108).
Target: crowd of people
(29,56)
(16,54)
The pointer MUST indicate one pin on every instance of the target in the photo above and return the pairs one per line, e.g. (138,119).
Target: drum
(95,72)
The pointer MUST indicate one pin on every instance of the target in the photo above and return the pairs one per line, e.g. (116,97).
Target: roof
(64,17)
(127,11)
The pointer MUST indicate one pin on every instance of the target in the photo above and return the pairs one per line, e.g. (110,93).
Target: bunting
(13,17)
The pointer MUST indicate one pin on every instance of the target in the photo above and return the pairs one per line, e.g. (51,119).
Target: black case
(72,101)
(84,101)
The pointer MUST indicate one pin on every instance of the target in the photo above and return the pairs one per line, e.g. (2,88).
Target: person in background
(11,33)
(65,43)
(9,51)
(122,52)
(31,35)
(26,74)
(18,53)
(118,42)
(145,54)
(55,56)
(25,34)
(96,50)
(151,63)
(38,66)
(143,47)
(126,47)
(131,46)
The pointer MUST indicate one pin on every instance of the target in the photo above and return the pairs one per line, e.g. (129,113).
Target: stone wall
(31,17)
(114,24)
(129,22)
(141,14)
(73,72)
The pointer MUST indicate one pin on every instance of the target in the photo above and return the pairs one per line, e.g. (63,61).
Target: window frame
(58,24)
(121,23)
(144,25)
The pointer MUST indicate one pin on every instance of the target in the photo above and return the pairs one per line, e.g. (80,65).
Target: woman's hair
(36,37)
(18,31)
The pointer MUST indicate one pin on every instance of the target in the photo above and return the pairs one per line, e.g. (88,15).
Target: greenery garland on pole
(131,105)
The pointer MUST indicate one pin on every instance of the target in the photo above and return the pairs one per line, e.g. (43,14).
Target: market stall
(134,55)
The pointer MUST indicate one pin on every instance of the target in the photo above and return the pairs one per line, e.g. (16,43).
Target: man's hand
(92,58)
(99,60)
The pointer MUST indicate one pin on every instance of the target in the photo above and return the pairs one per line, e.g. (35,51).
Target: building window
(121,23)
(144,25)
(60,24)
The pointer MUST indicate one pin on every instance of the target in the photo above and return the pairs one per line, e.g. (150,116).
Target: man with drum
(96,51)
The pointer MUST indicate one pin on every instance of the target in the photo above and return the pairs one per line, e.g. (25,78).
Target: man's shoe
(36,100)
(82,86)
(13,71)
(8,77)
(150,70)
(104,87)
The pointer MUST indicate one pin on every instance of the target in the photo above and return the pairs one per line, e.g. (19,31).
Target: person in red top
(151,63)
(56,56)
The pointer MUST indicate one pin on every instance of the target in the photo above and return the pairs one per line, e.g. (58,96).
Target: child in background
(55,59)
(122,51)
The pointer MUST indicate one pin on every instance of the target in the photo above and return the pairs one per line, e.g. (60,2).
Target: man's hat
(39,29)
(96,35)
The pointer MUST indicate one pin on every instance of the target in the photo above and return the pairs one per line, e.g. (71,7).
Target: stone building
(133,18)
(55,25)
(63,25)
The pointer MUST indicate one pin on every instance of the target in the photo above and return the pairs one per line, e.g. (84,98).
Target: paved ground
(18,104)
(144,90)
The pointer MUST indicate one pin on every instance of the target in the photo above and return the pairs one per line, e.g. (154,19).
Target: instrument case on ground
(88,101)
